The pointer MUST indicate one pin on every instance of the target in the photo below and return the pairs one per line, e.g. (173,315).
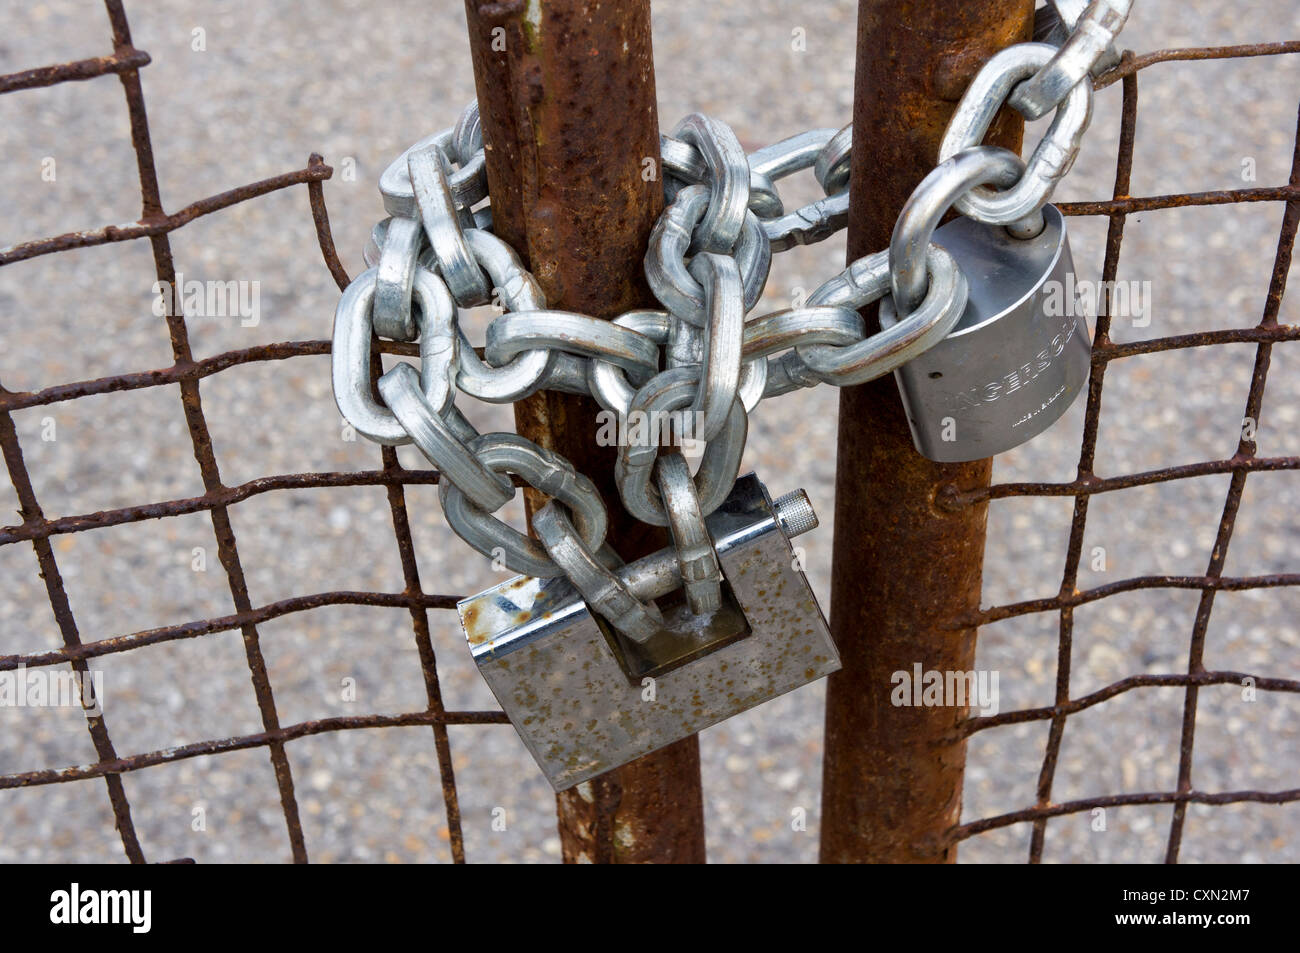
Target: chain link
(1051,158)
(1085,50)
(697,368)
(540,468)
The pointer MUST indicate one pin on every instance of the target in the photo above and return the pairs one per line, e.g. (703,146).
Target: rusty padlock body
(584,699)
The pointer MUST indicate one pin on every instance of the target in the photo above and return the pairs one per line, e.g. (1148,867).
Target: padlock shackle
(661,573)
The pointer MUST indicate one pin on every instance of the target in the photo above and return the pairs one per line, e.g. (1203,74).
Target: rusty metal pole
(905,565)
(567,97)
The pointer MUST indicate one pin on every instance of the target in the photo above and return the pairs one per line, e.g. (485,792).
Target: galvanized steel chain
(696,368)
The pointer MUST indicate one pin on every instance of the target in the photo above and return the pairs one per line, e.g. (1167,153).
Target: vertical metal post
(567,97)
(905,564)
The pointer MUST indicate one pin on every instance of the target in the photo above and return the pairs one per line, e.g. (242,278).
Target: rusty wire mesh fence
(1245,461)
(155,226)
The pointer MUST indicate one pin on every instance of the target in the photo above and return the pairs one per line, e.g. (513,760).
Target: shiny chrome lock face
(585,699)
(1017,358)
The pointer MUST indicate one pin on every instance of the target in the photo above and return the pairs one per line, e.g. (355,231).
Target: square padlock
(585,700)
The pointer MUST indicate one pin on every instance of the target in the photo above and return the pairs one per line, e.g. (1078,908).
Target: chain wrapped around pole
(560,168)
(548,107)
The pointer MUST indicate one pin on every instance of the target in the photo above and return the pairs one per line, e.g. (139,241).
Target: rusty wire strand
(155,224)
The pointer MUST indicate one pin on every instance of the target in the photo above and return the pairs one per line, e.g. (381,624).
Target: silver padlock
(585,699)
(1017,358)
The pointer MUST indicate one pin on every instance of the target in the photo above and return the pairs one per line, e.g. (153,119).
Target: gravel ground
(358,82)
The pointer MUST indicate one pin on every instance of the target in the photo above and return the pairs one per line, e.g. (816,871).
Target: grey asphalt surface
(360,81)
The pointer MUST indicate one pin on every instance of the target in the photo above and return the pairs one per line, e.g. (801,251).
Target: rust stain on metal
(1133,64)
(125,59)
(569,114)
(903,565)
(954,69)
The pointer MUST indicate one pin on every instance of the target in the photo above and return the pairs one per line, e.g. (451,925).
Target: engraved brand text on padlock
(1017,358)
(584,699)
